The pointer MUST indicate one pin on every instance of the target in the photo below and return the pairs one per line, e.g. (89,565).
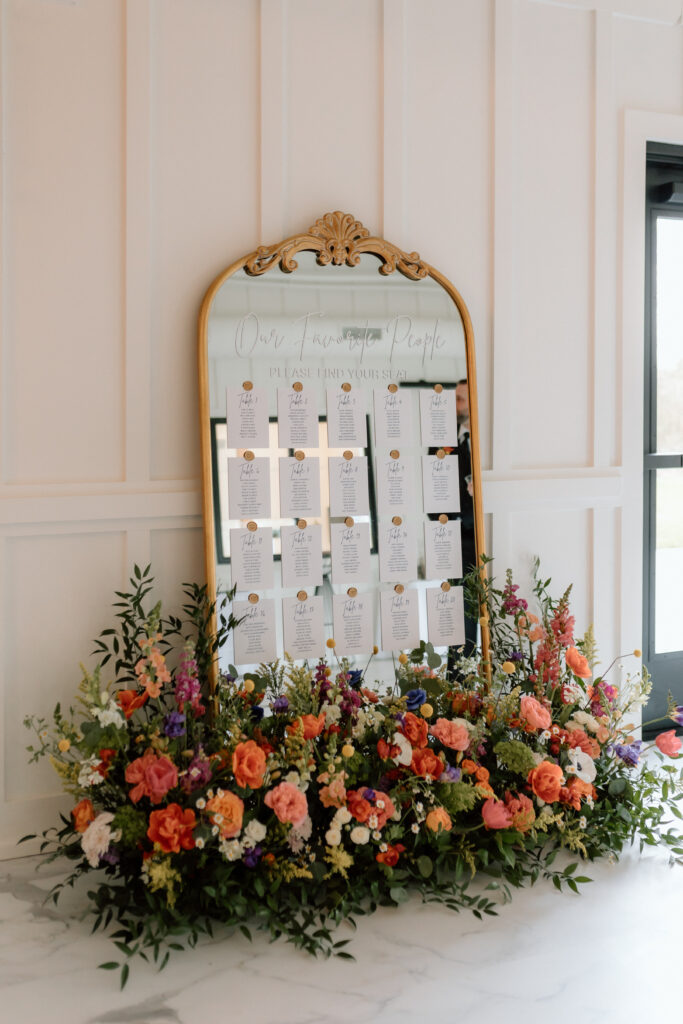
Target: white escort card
(353,624)
(443,550)
(397,552)
(349,486)
(446,617)
(302,556)
(297,418)
(350,552)
(438,418)
(440,483)
(254,638)
(303,627)
(249,488)
(251,557)
(247,417)
(346,422)
(299,487)
(393,418)
(400,620)
(395,484)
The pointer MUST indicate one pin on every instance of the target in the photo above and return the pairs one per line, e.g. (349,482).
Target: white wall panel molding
(114,505)
(551,491)
(273,108)
(395,78)
(667,12)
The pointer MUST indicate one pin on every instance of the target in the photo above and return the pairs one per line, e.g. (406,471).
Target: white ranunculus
(333,837)
(581,765)
(586,721)
(254,833)
(360,835)
(109,715)
(332,713)
(231,849)
(88,775)
(343,816)
(97,837)
(405,753)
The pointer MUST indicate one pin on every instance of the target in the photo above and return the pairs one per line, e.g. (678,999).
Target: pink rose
(668,743)
(154,777)
(288,803)
(334,795)
(534,714)
(452,734)
(495,814)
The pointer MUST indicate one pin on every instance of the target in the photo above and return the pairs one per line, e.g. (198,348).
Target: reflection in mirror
(340,459)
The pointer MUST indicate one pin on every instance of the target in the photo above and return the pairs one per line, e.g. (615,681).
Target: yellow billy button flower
(403,658)
(637,653)
(64,745)
(331,643)
(426,710)
(348,750)
(249,685)
(508,668)
(375,649)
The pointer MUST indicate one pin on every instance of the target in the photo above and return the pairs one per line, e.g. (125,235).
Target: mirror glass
(342,344)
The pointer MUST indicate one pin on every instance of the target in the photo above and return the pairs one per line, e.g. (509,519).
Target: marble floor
(612,954)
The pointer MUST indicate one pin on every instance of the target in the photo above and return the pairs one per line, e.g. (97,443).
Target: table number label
(397,552)
(297,418)
(400,620)
(393,418)
(302,556)
(255,636)
(249,488)
(395,485)
(303,627)
(438,419)
(251,557)
(349,486)
(440,483)
(446,617)
(350,553)
(353,624)
(247,418)
(299,487)
(443,550)
(346,422)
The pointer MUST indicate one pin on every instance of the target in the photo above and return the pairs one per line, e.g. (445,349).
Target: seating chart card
(297,417)
(302,556)
(346,423)
(254,638)
(350,549)
(440,483)
(349,486)
(251,554)
(249,487)
(393,418)
(400,620)
(395,484)
(303,626)
(353,624)
(397,551)
(446,616)
(438,420)
(443,550)
(247,417)
(299,486)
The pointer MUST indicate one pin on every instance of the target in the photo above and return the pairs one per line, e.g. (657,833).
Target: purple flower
(677,714)
(516,656)
(629,753)
(198,772)
(174,725)
(110,857)
(280,705)
(450,774)
(355,678)
(511,603)
(252,856)
(257,713)
(415,698)
(369,794)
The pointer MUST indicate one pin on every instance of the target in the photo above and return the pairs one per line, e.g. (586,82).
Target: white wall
(148,143)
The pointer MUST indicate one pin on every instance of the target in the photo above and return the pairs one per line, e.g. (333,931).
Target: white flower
(333,837)
(254,833)
(360,835)
(545,735)
(332,713)
(419,807)
(581,765)
(415,828)
(383,847)
(405,752)
(215,830)
(380,805)
(582,718)
(343,816)
(97,837)
(201,803)
(583,823)
(109,715)
(218,819)
(104,698)
(376,835)
(88,775)
(231,849)
(373,821)
(305,828)
(199,843)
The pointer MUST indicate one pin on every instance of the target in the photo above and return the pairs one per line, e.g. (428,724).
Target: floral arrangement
(300,796)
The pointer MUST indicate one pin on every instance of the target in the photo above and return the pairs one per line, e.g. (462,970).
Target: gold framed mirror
(340,448)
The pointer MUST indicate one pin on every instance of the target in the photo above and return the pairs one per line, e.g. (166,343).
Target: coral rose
(288,803)
(439,818)
(82,814)
(334,795)
(534,714)
(546,781)
(390,855)
(312,725)
(575,790)
(415,729)
(425,762)
(387,750)
(171,828)
(521,811)
(227,807)
(359,807)
(248,765)
(495,814)
(452,734)
(578,738)
(577,663)
(668,743)
(154,776)
(130,700)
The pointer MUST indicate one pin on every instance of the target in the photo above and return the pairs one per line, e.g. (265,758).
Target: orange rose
(439,818)
(578,738)
(425,762)
(546,781)
(312,725)
(229,809)
(575,790)
(387,750)
(468,766)
(82,814)
(130,700)
(334,794)
(452,734)
(415,729)
(390,855)
(577,663)
(248,765)
(172,828)
(534,714)
(359,807)
(482,774)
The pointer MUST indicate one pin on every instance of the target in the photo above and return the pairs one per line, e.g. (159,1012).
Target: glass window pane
(669,334)
(669,562)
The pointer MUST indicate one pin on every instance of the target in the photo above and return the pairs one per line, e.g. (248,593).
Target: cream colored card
(247,418)
(254,638)
(440,483)
(350,553)
(302,556)
(393,419)
(397,552)
(438,419)
(395,485)
(346,418)
(299,487)
(443,550)
(249,488)
(349,486)
(251,558)
(353,624)
(400,619)
(297,418)
(303,627)
(446,617)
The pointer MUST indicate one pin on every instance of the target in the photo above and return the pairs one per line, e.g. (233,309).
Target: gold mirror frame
(336,238)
